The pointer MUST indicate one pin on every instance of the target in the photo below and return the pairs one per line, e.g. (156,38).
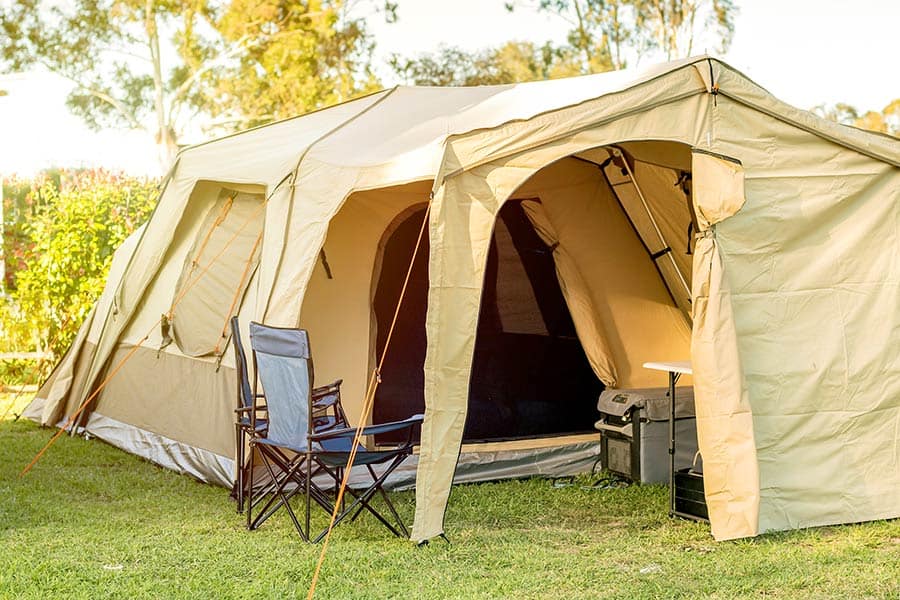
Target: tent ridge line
(571,132)
(335,129)
(812,130)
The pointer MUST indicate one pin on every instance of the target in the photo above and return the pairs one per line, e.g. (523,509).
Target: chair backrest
(281,357)
(245,393)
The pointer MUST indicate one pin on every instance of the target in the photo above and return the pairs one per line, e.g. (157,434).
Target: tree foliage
(112,50)
(509,63)
(158,64)
(886,121)
(607,34)
(77,227)
(603,35)
(22,200)
(296,57)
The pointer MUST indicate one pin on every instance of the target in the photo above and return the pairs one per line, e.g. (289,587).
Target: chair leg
(250,487)
(308,483)
(362,500)
(239,464)
(273,505)
(279,494)
(390,505)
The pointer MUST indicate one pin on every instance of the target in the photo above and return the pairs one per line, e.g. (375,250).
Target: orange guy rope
(84,404)
(220,218)
(374,380)
(237,292)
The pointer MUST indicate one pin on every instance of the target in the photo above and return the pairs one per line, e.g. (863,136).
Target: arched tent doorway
(620,217)
(530,376)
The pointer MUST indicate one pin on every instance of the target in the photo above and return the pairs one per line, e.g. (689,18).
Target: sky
(806,52)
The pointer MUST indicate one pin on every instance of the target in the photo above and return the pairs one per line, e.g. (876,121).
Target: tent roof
(404,123)
(401,132)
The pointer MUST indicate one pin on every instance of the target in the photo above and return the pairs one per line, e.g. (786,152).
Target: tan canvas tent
(684,211)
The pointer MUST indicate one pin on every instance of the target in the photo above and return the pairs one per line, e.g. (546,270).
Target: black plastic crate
(690,499)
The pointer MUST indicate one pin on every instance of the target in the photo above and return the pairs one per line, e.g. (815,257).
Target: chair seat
(340,447)
(362,457)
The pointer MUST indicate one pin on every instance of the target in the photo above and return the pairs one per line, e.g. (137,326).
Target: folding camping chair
(251,412)
(293,450)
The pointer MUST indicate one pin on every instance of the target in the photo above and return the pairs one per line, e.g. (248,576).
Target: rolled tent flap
(724,418)
(578,299)
(718,188)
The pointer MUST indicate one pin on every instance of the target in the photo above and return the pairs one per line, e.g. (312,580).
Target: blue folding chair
(300,443)
(251,419)
(249,414)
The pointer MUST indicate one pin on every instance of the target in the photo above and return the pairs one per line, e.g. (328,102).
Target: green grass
(93,522)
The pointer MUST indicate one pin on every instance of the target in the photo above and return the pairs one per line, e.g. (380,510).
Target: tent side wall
(813,264)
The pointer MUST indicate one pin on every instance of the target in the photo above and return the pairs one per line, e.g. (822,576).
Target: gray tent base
(569,457)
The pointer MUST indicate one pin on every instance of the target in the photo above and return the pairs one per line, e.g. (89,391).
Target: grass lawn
(93,522)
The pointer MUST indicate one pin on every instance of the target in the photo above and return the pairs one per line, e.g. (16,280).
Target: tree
(509,63)
(605,34)
(156,64)
(296,57)
(887,121)
(112,50)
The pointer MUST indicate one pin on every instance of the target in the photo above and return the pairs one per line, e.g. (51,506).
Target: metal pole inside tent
(617,153)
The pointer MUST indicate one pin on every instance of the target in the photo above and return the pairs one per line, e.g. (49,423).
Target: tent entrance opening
(530,376)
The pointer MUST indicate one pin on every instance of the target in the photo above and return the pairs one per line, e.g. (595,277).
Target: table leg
(673,379)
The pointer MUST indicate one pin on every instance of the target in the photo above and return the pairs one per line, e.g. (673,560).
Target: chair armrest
(324,390)
(369,430)
(245,409)
(327,401)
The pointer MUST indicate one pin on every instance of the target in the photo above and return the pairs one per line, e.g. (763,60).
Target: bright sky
(806,52)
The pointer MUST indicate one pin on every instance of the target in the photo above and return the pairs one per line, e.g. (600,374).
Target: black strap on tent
(713,86)
(324,258)
(660,253)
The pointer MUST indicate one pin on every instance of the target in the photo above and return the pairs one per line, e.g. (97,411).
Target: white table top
(678,366)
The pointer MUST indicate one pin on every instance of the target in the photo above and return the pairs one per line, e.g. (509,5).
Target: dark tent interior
(530,376)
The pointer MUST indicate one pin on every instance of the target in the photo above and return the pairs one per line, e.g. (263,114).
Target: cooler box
(634,426)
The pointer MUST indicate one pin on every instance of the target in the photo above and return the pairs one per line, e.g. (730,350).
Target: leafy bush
(79,222)
(21,202)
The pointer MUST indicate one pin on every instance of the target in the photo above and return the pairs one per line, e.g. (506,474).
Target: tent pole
(617,153)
